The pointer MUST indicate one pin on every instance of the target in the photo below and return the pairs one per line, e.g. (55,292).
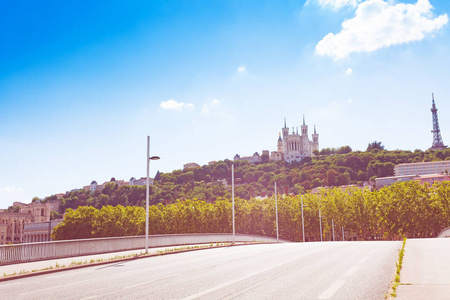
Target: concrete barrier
(444,233)
(20,253)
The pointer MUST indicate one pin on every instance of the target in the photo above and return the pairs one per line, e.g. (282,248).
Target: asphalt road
(328,270)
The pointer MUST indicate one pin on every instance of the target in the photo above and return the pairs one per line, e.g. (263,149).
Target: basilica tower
(315,141)
(285,129)
(280,144)
(304,128)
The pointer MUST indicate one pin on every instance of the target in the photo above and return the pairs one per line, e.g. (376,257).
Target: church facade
(295,146)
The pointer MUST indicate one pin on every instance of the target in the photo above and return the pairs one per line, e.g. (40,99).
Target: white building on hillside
(423,168)
(251,159)
(141,181)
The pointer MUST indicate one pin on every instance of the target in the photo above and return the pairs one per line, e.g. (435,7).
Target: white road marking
(57,286)
(130,287)
(351,271)
(362,260)
(150,281)
(332,289)
(218,287)
(337,285)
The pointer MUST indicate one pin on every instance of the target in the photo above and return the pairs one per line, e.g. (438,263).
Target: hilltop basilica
(294,146)
(291,147)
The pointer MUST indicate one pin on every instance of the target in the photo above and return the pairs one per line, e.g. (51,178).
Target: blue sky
(83,83)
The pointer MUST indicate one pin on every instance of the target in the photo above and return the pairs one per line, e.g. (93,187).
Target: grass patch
(399,265)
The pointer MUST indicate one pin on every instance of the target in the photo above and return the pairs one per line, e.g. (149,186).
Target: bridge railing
(20,253)
(445,233)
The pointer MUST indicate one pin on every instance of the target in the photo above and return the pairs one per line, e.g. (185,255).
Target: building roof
(396,177)
(433,176)
(191,165)
(424,163)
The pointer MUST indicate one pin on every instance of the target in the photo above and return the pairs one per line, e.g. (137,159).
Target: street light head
(154,158)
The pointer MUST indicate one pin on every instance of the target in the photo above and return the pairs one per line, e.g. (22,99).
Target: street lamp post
(276,211)
(232,192)
(332,225)
(148,191)
(320,220)
(303,221)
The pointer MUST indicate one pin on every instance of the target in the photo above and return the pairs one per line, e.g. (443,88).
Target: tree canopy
(375,145)
(408,209)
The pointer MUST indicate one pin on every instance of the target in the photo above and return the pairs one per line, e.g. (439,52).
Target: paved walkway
(426,270)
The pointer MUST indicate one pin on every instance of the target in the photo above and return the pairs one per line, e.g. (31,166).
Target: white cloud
(335,4)
(379,24)
(349,72)
(172,104)
(241,69)
(208,107)
(10,189)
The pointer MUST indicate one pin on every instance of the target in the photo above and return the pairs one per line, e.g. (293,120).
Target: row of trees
(404,209)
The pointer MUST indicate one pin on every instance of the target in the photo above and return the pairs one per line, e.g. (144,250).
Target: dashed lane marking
(332,289)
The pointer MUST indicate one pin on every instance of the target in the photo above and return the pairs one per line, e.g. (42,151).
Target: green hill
(330,167)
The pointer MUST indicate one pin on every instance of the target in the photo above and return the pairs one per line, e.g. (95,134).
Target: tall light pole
(232,192)
(148,191)
(276,211)
(303,221)
(332,225)
(320,220)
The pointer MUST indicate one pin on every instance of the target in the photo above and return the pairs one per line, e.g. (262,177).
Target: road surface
(328,270)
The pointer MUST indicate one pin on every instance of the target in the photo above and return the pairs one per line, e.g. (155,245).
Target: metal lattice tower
(438,144)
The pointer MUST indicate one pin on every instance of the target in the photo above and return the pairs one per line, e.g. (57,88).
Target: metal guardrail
(20,253)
